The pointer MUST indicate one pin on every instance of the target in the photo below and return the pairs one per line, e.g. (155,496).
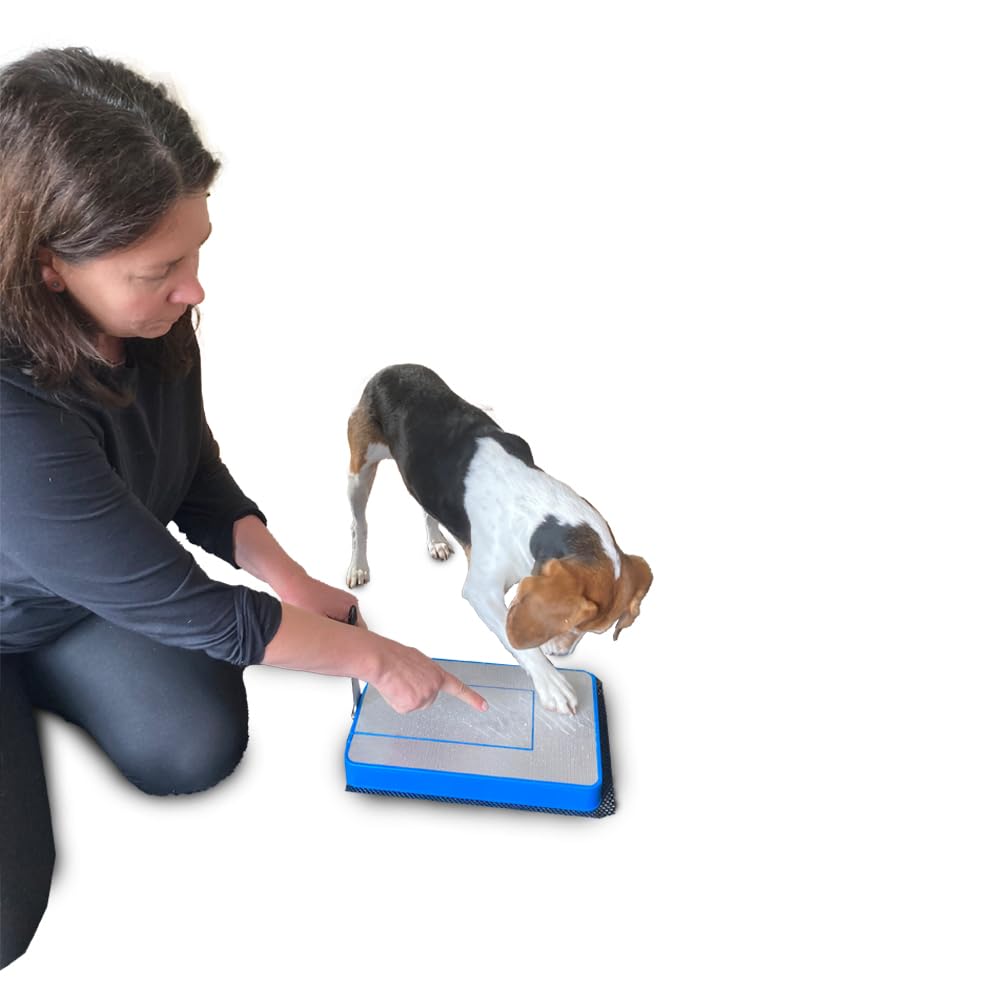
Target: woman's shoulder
(16,384)
(21,395)
(31,415)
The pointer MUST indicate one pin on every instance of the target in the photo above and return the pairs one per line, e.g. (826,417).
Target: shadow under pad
(514,755)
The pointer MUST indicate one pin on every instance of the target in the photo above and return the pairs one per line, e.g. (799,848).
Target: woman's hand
(408,680)
(313,595)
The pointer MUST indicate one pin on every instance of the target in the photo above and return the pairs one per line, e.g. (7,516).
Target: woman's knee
(174,721)
(183,760)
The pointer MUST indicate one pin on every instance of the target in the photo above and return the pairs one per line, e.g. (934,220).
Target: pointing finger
(453,686)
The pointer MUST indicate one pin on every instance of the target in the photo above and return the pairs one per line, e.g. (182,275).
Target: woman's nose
(188,292)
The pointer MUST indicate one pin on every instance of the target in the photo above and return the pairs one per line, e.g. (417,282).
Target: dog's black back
(432,434)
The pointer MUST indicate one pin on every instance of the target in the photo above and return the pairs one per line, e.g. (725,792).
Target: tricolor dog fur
(516,523)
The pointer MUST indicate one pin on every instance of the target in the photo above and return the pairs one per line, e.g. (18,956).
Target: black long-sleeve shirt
(86,492)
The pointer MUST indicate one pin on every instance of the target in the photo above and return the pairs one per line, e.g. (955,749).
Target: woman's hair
(92,156)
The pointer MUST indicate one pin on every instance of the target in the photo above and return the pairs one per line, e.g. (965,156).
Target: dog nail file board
(514,754)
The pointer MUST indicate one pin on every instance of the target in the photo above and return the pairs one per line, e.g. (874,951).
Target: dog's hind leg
(437,545)
(359,486)
(367,450)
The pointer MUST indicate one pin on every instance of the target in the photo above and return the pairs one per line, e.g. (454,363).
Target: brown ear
(640,577)
(547,605)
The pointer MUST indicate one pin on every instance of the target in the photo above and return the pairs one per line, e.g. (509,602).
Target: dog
(515,522)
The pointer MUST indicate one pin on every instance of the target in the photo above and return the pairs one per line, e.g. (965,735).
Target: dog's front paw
(555,693)
(440,550)
(358,575)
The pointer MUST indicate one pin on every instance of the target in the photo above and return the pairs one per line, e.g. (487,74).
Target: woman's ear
(547,605)
(48,265)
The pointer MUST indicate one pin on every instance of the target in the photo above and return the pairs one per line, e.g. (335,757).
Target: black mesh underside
(605,808)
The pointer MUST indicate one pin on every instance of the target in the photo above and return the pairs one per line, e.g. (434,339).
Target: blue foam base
(596,799)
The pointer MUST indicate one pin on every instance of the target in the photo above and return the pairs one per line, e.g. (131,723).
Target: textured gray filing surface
(515,738)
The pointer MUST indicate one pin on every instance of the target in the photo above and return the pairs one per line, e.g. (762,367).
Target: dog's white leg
(554,691)
(437,545)
(359,488)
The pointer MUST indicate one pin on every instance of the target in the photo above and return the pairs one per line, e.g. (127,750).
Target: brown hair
(92,156)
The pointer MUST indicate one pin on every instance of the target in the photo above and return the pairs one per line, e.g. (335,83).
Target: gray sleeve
(69,521)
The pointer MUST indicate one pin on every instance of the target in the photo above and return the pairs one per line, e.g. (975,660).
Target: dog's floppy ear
(640,576)
(547,605)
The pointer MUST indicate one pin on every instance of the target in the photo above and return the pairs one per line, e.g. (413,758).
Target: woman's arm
(404,676)
(257,551)
(72,529)
(312,635)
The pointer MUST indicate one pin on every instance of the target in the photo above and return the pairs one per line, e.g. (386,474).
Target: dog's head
(569,597)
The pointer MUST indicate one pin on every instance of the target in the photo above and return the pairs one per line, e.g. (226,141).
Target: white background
(732,270)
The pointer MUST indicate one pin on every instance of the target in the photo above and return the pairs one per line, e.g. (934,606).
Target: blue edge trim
(596,800)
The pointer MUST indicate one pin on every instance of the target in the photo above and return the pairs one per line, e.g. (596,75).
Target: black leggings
(172,720)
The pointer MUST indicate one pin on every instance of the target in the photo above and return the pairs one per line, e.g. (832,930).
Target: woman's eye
(158,277)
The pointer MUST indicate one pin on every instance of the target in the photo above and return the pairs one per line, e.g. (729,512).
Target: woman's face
(143,290)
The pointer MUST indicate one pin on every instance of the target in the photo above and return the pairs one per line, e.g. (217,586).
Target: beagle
(516,523)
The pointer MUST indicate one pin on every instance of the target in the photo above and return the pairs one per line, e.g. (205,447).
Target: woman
(104,617)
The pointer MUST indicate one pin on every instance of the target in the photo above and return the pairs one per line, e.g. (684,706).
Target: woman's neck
(112,349)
